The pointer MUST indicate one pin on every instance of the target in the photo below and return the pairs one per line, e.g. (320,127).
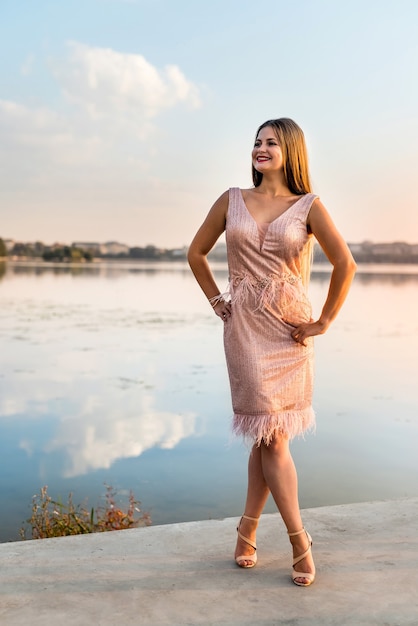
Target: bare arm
(203,242)
(344,268)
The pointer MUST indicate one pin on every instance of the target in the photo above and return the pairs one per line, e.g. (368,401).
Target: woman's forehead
(266,132)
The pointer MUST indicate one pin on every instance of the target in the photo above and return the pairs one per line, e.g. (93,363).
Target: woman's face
(267,155)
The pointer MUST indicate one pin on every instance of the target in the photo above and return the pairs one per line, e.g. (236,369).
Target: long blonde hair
(296,172)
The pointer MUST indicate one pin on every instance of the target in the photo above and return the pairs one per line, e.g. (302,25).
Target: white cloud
(115,97)
(107,83)
(100,130)
(42,138)
(94,432)
(95,439)
(95,423)
(96,146)
(19,119)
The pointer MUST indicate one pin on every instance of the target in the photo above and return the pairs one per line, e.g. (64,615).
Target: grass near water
(52,518)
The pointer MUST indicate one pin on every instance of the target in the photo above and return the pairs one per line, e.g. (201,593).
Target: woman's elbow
(347,265)
(351,265)
(194,255)
(190,256)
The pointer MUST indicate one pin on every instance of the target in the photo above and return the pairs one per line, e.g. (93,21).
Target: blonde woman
(268,327)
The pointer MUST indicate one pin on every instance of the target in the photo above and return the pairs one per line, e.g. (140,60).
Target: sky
(124,120)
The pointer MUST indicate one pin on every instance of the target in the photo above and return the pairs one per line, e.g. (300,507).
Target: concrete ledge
(183,574)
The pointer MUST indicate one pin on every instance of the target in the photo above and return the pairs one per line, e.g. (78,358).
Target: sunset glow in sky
(125,119)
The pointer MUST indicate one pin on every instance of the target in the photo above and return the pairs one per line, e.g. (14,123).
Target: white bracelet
(216,300)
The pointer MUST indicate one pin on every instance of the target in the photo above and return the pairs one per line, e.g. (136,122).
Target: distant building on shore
(112,248)
(369,252)
(93,247)
(365,252)
(9,243)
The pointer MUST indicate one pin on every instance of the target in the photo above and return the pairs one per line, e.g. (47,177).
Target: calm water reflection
(115,374)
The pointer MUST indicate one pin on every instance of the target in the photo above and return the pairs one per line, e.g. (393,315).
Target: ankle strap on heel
(298,532)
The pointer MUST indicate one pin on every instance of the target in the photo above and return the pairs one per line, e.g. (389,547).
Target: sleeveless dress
(271,375)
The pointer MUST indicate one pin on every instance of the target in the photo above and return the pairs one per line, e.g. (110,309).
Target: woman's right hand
(223,310)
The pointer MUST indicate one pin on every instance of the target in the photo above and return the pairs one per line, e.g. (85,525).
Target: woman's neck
(273,187)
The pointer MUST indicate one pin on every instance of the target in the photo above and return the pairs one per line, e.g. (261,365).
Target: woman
(268,328)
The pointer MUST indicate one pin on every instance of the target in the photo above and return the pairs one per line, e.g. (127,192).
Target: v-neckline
(261,241)
(276,218)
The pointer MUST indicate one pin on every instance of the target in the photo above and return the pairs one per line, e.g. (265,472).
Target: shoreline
(184,574)
(362,267)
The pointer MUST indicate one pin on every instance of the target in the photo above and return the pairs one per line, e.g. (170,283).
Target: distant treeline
(76,253)
(366,252)
(369,252)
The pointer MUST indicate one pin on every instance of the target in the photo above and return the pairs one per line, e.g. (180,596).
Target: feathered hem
(259,429)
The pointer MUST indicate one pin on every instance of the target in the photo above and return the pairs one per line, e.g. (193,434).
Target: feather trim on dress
(263,428)
(284,290)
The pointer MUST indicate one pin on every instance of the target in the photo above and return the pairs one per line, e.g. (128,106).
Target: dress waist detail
(281,290)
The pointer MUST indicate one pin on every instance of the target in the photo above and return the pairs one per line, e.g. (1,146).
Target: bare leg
(280,476)
(257,494)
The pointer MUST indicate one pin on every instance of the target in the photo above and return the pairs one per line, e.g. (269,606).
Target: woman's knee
(278,446)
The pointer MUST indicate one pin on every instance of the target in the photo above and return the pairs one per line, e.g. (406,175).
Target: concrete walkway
(178,575)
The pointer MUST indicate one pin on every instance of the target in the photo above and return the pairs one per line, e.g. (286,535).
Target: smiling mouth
(262,159)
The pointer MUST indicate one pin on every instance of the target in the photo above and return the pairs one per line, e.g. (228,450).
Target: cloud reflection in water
(103,433)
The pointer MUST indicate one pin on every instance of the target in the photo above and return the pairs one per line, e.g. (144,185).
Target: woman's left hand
(309,329)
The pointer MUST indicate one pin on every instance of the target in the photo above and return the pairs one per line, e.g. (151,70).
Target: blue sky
(125,120)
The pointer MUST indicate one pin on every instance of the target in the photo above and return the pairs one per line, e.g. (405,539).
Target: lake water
(115,374)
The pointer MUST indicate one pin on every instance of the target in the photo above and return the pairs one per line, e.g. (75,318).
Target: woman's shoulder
(221,203)
(231,193)
(244,193)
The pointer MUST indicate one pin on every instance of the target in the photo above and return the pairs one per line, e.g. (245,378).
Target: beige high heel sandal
(249,557)
(309,577)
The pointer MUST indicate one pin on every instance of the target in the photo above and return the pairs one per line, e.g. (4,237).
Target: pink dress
(271,376)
